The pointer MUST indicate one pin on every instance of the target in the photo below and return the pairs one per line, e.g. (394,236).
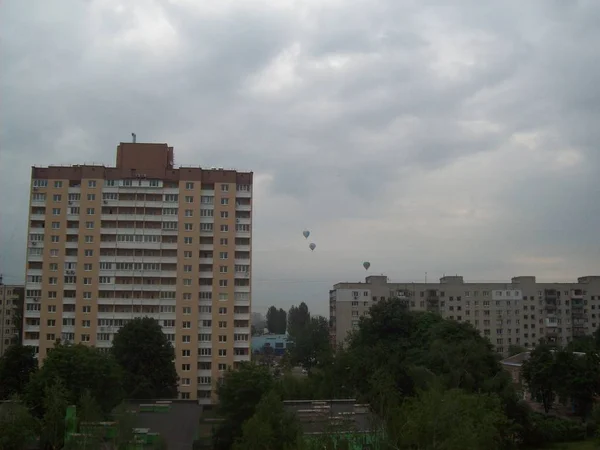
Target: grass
(579,445)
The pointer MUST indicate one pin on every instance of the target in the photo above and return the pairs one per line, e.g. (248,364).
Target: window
(87,309)
(222,283)
(53,252)
(187,325)
(185,367)
(224,188)
(51,322)
(89,239)
(222,367)
(51,308)
(223,296)
(187,296)
(223,255)
(104,280)
(89,225)
(86,323)
(55,225)
(91,197)
(54,238)
(92,183)
(207,213)
(55,211)
(187,281)
(87,281)
(187,310)
(205,337)
(90,211)
(87,267)
(51,294)
(88,253)
(204,352)
(187,268)
(223,269)
(58,184)
(50,337)
(224,214)
(189,213)
(189,186)
(224,228)
(223,324)
(53,280)
(187,254)
(222,310)
(189,199)
(207,200)
(56,198)
(222,338)
(186,353)
(223,241)
(187,240)
(222,352)
(225,201)
(188,227)
(40,183)
(206,227)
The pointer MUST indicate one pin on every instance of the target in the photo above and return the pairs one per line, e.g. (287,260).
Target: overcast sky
(419,136)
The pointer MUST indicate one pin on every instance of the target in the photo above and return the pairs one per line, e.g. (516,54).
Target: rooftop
(323,416)
(178,426)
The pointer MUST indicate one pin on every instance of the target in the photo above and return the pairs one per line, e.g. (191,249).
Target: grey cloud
(344,147)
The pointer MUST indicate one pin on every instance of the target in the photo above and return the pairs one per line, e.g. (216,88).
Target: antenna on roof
(133,137)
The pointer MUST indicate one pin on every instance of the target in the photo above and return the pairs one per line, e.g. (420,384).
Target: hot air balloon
(306,234)
(366,265)
(312,246)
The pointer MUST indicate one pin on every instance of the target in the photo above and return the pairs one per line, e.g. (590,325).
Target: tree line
(431,383)
(139,365)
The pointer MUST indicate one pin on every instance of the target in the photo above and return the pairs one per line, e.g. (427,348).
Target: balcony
(239,207)
(208,247)
(241,288)
(239,358)
(241,316)
(205,260)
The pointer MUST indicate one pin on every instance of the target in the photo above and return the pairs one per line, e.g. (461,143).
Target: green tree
(239,393)
(298,318)
(582,344)
(16,367)
(17,426)
(540,375)
(53,422)
(270,427)
(449,420)
(311,345)
(276,320)
(578,379)
(147,358)
(79,368)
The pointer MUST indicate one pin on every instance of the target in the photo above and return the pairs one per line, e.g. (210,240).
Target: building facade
(109,244)
(278,342)
(516,313)
(9,315)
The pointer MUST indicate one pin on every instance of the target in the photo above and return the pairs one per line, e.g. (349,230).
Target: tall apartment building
(9,314)
(109,244)
(520,312)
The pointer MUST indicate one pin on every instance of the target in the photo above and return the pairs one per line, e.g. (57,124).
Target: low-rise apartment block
(143,238)
(9,315)
(519,312)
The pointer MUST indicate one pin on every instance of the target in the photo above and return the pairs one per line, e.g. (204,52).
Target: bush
(544,429)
